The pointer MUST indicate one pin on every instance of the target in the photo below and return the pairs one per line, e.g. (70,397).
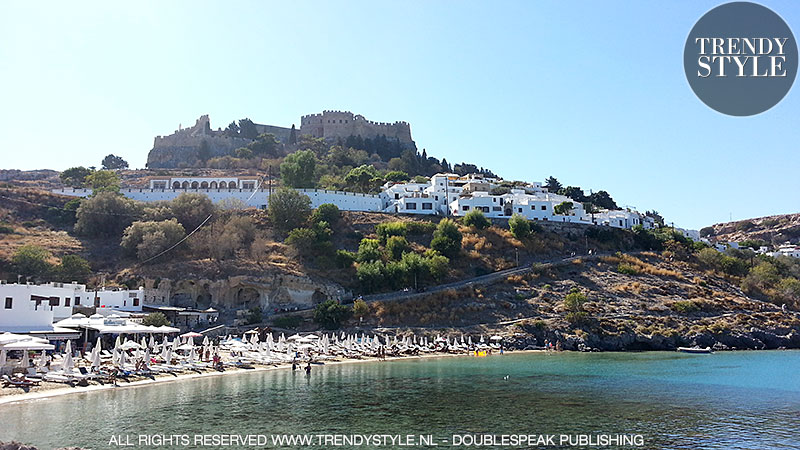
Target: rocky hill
(773,230)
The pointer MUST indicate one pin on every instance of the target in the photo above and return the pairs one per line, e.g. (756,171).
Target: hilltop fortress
(187,147)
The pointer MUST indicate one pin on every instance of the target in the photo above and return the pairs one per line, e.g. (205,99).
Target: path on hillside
(479,280)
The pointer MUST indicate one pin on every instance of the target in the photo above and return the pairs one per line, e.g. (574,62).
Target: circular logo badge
(740,59)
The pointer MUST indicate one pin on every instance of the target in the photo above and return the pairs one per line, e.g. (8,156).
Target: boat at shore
(695,350)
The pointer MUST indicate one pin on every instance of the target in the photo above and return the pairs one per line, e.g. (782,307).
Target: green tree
(156,319)
(369,250)
(331,315)
(204,151)
(232,130)
(298,169)
(303,239)
(105,214)
(75,176)
(575,193)
(364,178)
(254,315)
(317,145)
(247,129)
(370,275)
(447,238)
(552,185)
(327,212)
(603,200)
(476,219)
(103,181)
(520,227)
(396,176)
(360,308)
(147,239)
(243,152)
(563,208)
(265,145)
(33,261)
(73,268)
(574,301)
(396,246)
(191,209)
(288,209)
(113,162)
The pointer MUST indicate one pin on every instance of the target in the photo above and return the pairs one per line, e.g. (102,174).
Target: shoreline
(25,397)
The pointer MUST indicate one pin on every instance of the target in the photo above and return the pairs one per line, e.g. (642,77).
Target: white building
(248,191)
(623,218)
(445,194)
(538,206)
(787,249)
(60,298)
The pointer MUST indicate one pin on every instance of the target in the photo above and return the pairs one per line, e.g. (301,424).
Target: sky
(593,93)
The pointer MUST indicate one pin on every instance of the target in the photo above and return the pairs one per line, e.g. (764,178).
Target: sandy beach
(49,389)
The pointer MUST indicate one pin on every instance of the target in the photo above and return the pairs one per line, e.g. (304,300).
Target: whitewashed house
(61,298)
(787,249)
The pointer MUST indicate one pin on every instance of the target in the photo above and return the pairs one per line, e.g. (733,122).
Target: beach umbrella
(68,363)
(470,340)
(25,361)
(122,356)
(152,341)
(192,356)
(205,341)
(3,357)
(129,345)
(42,362)
(147,356)
(168,354)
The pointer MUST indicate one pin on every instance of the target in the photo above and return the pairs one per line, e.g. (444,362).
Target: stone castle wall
(342,124)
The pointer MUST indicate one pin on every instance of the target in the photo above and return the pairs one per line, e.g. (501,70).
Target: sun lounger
(22,382)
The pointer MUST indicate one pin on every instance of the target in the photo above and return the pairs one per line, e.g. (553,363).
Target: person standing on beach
(308,368)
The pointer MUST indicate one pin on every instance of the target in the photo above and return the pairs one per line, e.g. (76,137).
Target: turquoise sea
(733,400)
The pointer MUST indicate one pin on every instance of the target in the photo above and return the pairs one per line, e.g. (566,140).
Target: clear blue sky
(591,92)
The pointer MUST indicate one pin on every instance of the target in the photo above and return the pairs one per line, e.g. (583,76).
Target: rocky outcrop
(755,339)
(244,292)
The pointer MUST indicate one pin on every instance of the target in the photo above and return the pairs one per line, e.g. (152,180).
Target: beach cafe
(108,328)
(20,345)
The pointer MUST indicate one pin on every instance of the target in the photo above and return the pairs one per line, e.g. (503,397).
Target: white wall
(347,201)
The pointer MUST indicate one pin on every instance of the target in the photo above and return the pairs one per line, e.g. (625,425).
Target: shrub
(369,250)
(627,269)
(191,209)
(520,227)
(396,246)
(156,319)
(6,229)
(327,212)
(577,317)
(420,227)
(291,321)
(476,219)
(254,315)
(303,239)
(574,301)
(32,260)
(370,275)
(288,209)
(105,214)
(685,306)
(345,259)
(73,268)
(147,239)
(360,308)
(447,238)
(224,237)
(331,315)
(563,208)
(388,229)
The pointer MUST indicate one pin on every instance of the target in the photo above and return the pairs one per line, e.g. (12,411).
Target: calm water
(743,400)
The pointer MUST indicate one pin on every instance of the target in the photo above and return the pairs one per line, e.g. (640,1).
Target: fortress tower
(343,124)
